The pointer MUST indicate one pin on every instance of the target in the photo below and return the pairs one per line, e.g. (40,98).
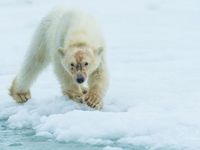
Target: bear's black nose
(80,80)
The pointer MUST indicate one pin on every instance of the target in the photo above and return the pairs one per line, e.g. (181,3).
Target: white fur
(60,28)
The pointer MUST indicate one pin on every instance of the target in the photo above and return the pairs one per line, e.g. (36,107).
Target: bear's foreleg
(98,83)
(69,88)
(36,59)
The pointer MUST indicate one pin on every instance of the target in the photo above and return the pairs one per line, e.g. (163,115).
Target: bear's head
(80,61)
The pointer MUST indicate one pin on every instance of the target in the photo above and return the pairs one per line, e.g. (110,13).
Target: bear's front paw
(18,95)
(76,96)
(94,100)
(21,97)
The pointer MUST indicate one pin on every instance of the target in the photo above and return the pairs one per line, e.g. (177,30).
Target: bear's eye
(72,64)
(86,63)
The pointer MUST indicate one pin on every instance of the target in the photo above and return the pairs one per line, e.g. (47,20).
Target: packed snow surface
(153,53)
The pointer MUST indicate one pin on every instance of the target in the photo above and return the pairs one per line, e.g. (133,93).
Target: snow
(112,148)
(153,56)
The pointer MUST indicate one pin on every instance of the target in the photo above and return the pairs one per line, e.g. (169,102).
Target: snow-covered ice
(154,62)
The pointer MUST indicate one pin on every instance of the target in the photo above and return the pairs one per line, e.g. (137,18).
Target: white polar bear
(73,42)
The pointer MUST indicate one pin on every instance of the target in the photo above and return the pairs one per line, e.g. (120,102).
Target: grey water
(25,139)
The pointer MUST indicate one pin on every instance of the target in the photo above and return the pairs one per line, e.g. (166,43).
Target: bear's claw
(76,96)
(93,100)
(21,97)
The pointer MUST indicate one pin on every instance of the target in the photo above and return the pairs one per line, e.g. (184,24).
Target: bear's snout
(80,79)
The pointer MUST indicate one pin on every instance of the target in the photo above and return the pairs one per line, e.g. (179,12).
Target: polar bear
(73,42)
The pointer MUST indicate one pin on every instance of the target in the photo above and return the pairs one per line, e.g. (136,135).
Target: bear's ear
(61,51)
(99,51)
